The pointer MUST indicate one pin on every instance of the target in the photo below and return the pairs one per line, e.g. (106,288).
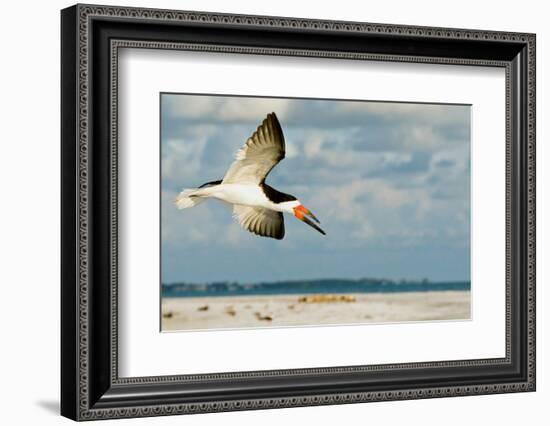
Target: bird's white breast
(244,194)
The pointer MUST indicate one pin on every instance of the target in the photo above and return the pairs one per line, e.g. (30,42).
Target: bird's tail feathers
(188,198)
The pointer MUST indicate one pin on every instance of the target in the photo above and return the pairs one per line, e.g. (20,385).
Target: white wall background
(29,212)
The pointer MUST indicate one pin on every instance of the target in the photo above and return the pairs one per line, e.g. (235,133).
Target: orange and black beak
(301,212)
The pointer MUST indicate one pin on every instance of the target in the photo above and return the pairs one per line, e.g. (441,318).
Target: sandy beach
(192,313)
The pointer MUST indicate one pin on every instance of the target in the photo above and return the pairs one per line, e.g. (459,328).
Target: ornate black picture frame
(90,385)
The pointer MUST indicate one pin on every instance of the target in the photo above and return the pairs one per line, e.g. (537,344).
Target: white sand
(286,310)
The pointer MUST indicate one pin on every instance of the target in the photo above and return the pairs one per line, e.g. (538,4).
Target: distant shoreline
(322,286)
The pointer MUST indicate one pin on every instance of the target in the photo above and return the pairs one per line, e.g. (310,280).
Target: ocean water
(325,286)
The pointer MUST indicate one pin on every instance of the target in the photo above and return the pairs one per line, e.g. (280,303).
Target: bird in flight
(257,206)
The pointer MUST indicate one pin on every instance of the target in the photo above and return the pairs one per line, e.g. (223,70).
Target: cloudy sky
(390,183)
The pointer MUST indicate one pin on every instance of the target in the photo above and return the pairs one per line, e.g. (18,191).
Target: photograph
(382,190)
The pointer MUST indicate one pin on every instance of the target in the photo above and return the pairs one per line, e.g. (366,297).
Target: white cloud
(224,109)
(181,159)
(441,114)
(313,145)
(420,137)
(292,149)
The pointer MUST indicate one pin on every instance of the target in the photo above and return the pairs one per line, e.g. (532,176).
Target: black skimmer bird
(257,206)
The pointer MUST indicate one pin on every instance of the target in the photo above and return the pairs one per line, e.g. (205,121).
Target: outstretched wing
(260,221)
(261,152)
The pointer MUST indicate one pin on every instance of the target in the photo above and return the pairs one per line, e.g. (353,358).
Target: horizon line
(396,281)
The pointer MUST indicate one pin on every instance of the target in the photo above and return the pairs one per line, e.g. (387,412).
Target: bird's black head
(294,206)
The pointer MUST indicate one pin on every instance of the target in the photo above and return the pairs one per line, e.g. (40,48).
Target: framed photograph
(263,212)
